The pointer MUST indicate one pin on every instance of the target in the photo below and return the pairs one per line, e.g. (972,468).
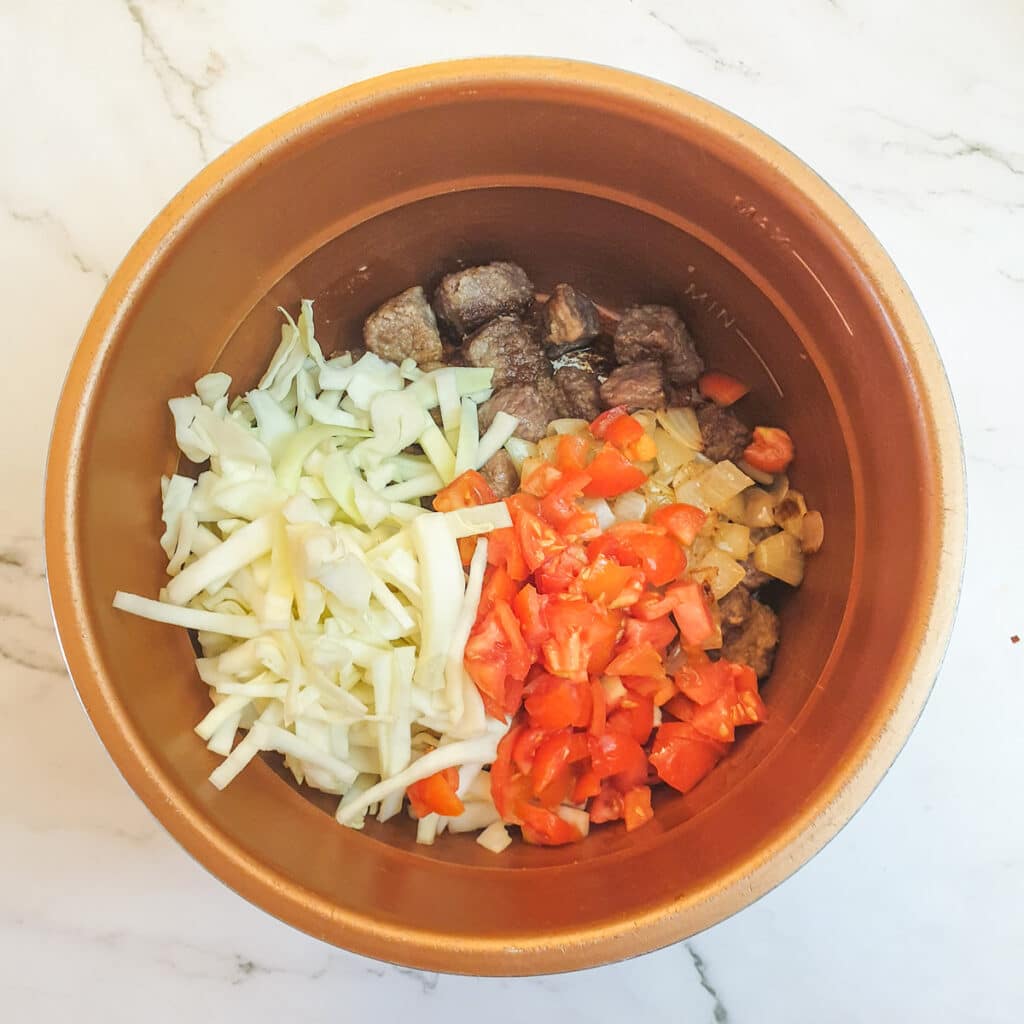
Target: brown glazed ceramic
(635,192)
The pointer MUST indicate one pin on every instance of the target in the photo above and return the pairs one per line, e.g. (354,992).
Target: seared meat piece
(657,332)
(471,297)
(597,358)
(507,345)
(734,607)
(723,434)
(636,386)
(753,640)
(404,328)
(581,394)
(570,320)
(500,472)
(533,406)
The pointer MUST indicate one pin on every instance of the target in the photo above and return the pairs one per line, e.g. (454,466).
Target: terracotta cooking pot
(635,192)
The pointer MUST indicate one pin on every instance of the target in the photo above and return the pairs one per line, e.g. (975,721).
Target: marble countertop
(913,111)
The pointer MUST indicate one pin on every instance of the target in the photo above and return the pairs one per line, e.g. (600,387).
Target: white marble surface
(913,110)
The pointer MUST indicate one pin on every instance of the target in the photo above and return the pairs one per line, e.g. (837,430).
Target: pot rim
(853,780)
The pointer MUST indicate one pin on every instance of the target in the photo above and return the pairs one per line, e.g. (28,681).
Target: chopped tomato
(642,545)
(503,550)
(583,637)
(771,451)
(553,703)
(497,658)
(436,794)
(721,388)
(634,716)
(691,612)
(501,772)
(587,785)
(614,585)
(559,573)
(498,586)
(715,719)
(658,633)
(642,660)
(607,805)
(545,828)
(749,708)
(682,756)
(466,490)
(553,757)
(659,688)
(525,748)
(684,522)
(637,810)
(703,680)
(537,539)
(620,758)
(611,474)
(559,506)
(600,425)
(598,707)
(571,453)
(540,479)
(680,707)
(623,431)
(529,607)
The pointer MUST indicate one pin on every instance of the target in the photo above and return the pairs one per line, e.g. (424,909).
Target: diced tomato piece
(600,425)
(623,431)
(537,540)
(659,688)
(545,828)
(559,507)
(571,453)
(555,703)
(436,794)
(612,474)
(684,522)
(721,388)
(682,756)
(634,716)
(503,550)
(583,637)
(529,607)
(749,707)
(496,657)
(598,707)
(618,757)
(661,558)
(637,809)
(703,680)
(498,586)
(658,633)
(527,742)
(602,635)
(502,772)
(466,490)
(680,707)
(716,718)
(587,785)
(560,572)
(692,614)
(614,585)
(642,660)
(607,805)
(771,451)
(554,755)
(540,479)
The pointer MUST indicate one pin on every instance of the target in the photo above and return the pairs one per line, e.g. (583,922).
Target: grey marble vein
(704,47)
(720,1013)
(194,116)
(47,220)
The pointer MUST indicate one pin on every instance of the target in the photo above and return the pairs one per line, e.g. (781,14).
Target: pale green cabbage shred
(332,609)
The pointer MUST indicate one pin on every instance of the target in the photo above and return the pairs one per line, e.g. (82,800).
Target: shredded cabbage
(302,557)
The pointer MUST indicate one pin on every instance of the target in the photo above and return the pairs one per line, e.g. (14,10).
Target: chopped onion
(813,535)
(630,506)
(495,838)
(790,512)
(568,426)
(780,556)
(733,539)
(683,426)
(721,483)
(721,572)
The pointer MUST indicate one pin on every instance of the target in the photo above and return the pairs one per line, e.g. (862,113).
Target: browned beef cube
(404,328)
(581,393)
(753,640)
(471,297)
(570,320)
(636,386)
(658,332)
(734,607)
(533,406)
(506,344)
(723,434)
(500,472)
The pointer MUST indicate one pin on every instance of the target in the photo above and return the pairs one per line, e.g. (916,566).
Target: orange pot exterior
(635,192)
